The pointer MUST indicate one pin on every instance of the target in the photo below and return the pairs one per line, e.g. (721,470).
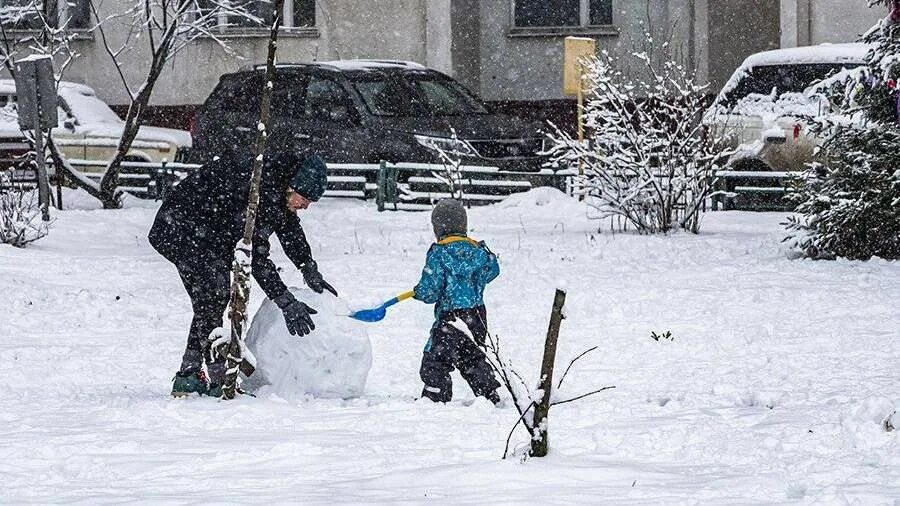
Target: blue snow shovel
(377,314)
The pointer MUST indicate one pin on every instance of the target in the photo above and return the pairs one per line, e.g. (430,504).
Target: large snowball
(332,361)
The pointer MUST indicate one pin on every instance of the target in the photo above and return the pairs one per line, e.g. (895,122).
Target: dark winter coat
(202,219)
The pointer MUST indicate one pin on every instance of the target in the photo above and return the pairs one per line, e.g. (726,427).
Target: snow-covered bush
(451,175)
(647,157)
(20,215)
(849,204)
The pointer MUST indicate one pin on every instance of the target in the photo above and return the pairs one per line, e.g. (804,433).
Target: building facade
(509,51)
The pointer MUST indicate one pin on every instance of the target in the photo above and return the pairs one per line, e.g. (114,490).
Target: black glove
(314,280)
(296,314)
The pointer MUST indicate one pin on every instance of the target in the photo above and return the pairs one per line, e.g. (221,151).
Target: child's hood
(463,257)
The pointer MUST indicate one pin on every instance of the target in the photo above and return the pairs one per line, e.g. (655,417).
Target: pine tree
(849,202)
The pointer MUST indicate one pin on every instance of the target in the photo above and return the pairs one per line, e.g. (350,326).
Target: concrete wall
(737,29)
(465,44)
(841,20)
(516,67)
(474,40)
(438,36)
(807,22)
(384,29)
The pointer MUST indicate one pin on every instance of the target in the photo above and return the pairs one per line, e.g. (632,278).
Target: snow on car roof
(853,54)
(345,65)
(9,86)
(371,64)
(81,99)
(822,53)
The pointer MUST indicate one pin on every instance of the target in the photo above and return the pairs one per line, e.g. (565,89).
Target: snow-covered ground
(773,390)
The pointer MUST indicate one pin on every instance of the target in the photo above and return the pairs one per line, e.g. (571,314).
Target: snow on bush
(647,158)
(333,361)
(20,215)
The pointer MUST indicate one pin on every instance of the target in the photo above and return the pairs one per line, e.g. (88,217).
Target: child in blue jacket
(456,271)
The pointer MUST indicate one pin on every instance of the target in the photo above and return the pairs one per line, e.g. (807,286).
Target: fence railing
(149,180)
(754,190)
(416,186)
(394,186)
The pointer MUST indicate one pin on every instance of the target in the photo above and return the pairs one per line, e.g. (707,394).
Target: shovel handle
(400,298)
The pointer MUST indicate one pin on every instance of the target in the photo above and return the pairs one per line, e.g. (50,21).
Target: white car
(88,130)
(762,106)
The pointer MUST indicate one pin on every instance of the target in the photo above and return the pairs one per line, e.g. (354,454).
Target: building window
(296,14)
(29,14)
(562,13)
(304,12)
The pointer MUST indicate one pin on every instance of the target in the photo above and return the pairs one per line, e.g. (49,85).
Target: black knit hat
(311,178)
(449,218)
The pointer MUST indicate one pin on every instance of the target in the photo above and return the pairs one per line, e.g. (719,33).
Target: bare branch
(585,352)
(113,55)
(573,399)
(524,422)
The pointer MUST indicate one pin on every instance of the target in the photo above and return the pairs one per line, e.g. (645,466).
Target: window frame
(287,26)
(61,9)
(584,27)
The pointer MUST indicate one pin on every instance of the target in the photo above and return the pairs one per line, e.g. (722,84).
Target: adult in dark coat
(202,220)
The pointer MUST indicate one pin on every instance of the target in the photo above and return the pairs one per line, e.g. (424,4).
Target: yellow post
(580,113)
(576,50)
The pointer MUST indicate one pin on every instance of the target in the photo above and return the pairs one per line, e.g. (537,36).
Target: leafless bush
(20,215)
(647,158)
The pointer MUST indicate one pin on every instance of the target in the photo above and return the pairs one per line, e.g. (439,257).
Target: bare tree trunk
(243,251)
(108,195)
(540,445)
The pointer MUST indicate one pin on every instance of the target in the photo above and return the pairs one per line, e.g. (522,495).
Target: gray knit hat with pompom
(449,218)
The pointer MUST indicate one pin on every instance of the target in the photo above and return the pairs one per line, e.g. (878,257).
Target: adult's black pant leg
(208,286)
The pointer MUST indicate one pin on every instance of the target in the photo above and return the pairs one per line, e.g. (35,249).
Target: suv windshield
(763,80)
(415,94)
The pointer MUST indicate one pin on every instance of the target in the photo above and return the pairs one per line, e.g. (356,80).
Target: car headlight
(450,146)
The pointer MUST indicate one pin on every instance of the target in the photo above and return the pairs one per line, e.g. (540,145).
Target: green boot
(214,390)
(186,384)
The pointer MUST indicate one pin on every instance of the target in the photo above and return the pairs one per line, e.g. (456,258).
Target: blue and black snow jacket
(456,271)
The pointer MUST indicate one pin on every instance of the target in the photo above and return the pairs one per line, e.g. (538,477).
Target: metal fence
(394,186)
(416,186)
(754,190)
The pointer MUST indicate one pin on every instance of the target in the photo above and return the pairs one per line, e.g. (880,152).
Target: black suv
(365,111)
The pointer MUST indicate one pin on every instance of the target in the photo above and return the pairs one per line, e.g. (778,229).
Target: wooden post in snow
(540,445)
